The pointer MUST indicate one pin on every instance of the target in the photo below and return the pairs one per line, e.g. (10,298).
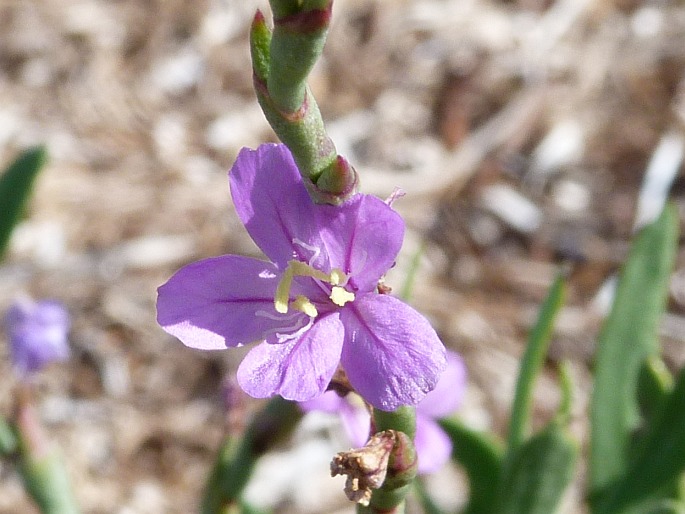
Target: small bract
(315,305)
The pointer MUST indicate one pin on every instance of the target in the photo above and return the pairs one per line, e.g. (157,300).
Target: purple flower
(433,446)
(315,305)
(37,333)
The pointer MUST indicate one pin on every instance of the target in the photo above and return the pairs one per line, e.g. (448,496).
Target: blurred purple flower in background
(315,304)
(433,446)
(37,333)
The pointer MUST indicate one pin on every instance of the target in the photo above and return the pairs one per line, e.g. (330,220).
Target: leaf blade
(16,184)
(626,340)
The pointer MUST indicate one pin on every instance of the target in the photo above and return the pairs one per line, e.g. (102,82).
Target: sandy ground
(521,132)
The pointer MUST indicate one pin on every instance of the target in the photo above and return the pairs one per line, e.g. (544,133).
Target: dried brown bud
(365,467)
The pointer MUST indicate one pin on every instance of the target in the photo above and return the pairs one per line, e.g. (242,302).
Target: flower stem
(238,456)
(281,62)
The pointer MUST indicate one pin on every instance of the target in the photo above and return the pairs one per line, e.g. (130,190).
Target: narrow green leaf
(628,337)
(539,473)
(47,482)
(656,506)
(532,362)
(246,508)
(566,386)
(16,184)
(481,458)
(655,383)
(238,456)
(660,458)
(9,443)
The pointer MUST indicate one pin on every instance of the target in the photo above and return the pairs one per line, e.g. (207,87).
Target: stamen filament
(300,269)
(338,296)
(283,291)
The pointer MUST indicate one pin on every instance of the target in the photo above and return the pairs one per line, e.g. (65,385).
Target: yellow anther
(302,303)
(337,277)
(341,296)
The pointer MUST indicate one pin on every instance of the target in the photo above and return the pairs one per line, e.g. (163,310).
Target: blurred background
(521,130)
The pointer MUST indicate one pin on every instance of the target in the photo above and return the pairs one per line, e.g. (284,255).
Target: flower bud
(337,182)
(403,463)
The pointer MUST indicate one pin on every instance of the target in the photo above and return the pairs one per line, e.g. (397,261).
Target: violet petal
(273,203)
(356,421)
(38,334)
(223,301)
(362,238)
(392,355)
(447,395)
(297,370)
(433,446)
(330,402)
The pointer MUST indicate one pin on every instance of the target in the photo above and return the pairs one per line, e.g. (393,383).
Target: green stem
(281,62)
(403,419)
(238,456)
(298,39)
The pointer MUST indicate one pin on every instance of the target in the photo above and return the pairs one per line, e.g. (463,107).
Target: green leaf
(238,455)
(16,184)
(532,362)
(9,443)
(47,482)
(655,383)
(660,506)
(246,508)
(539,472)
(628,337)
(481,458)
(660,458)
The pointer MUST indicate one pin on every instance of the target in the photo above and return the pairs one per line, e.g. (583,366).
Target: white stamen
(396,194)
(276,317)
(284,338)
(315,251)
(289,331)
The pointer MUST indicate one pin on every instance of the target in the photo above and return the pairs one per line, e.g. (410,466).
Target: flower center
(339,295)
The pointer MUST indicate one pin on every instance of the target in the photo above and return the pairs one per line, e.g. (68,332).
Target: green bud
(403,463)
(337,182)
